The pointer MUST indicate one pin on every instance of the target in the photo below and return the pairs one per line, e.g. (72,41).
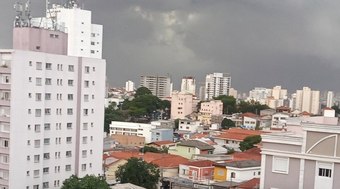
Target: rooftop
(250,184)
(160,143)
(195,143)
(238,134)
(242,164)
(200,163)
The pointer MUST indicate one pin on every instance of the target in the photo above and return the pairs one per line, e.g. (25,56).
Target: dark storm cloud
(262,43)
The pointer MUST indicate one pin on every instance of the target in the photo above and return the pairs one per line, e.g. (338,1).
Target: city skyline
(287,43)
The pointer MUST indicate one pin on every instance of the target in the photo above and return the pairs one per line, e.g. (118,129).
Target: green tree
(229,104)
(337,109)
(153,149)
(141,91)
(111,114)
(253,107)
(227,123)
(87,182)
(176,124)
(249,142)
(138,172)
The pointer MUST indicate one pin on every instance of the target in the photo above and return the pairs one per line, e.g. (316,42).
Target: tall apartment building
(181,104)
(188,85)
(307,100)
(217,84)
(51,113)
(129,86)
(160,86)
(330,96)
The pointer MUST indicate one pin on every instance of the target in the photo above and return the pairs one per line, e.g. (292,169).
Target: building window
(36,158)
(46,184)
(70,68)
(37,112)
(47,111)
(86,112)
(70,96)
(70,82)
(280,165)
(37,128)
(84,140)
(85,126)
(36,143)
(68,154)
(69,125)
(68,140)
(67,167)
(38,96)
(48,81)
(38,81)
(46,141)
(47,96)
(36,174)
(38,65)
(46,156)
(86,98)
(84,153)
(46,170)
(69,111)
(86,84)
(48,66)
(87,69)
(233,175)
(83,167)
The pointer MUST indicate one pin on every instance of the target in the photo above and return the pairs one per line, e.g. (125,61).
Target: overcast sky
(261,43)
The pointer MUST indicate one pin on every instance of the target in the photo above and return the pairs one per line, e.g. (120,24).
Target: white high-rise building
(307,100)
(160,86)
(84,38)
(51,111)
(129,86)
(188,85)
(217,84)
(330,96)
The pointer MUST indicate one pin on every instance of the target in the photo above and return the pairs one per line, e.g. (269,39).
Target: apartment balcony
(5,66)
(3,182)
(4,166)
(6,86)
(5,118)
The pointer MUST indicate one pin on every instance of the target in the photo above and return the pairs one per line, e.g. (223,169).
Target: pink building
(197,171)
(213,107)
(181,104)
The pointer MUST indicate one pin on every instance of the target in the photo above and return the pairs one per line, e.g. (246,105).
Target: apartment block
(160,86)
(217,84)
(181,104)
(310,159)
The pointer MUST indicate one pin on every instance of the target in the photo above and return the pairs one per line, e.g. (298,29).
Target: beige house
(213,107)
(308,160)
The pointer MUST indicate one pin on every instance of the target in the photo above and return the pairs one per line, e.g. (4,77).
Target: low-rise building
(279,120)
(231,138)
(129,128)
(191,147)
(181,104)
(129,140)
(161,135)
(250,121)
(191,126)
(197,171)
(213,107)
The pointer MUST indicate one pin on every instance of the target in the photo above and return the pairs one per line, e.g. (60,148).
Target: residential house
(250,121)
(161,134)
(279,120)
(250,184)
(310,159)
(191,126)
(197,171)
(220,170)
(162,144)
(167,163)
(231,138)
(191,147)
(238,171)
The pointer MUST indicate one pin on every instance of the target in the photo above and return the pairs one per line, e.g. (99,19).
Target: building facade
(307,100)
(181,104)
(307,160)
(188,85)
(52,113)
(129,128)
(217,84)
(160,86)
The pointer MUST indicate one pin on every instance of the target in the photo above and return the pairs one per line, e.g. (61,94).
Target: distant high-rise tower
(160,86)
(330,96)
(129,86)
(188,85)
(217,84)
(307,100)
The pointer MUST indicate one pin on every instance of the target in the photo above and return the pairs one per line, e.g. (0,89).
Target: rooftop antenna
(71,4)
(23,17)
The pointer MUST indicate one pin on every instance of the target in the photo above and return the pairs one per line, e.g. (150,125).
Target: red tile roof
(160,159)
(249,114)
(198,136)
(251,154)
(250,184)
(200,163)
(164,142)
(238,134)
(327,108)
